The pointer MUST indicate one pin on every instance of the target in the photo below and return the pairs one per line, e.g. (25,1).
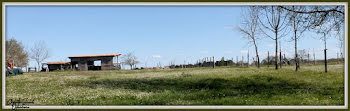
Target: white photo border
(4,4)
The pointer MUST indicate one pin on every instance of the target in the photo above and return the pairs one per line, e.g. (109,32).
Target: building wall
(106,62)
(53,67)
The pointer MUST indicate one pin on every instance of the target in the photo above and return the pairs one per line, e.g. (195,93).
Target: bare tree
(323,20)
(273,21)
(302,55)
(15,51)
(297,22)
(130,59)
(341,44)
(39,53)
(250,28)
(321,15)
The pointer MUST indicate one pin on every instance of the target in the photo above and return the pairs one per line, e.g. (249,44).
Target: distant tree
(16,52)
(222,61)
(267,60)
(130,59)
(274,20)
(39,52)
(341,44)
(250,26)
(302,55)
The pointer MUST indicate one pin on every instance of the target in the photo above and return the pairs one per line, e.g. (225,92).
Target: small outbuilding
(94,62)
(51,66)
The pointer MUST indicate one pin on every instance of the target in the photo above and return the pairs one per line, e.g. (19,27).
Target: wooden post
(71,67)
(35,69)
(118,63)
(325,60)
(213,62)
(242,64)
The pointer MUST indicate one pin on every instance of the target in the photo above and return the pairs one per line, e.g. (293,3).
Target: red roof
(57,63)
(103,55)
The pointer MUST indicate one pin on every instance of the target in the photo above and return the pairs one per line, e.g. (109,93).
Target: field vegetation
(192,86)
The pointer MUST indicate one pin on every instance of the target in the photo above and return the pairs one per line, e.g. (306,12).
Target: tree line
(276,22)
(19,55)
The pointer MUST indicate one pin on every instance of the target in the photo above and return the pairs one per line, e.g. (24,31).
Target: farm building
(94,62)
(57,66)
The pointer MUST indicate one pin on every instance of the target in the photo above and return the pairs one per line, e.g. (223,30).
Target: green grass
(192,86)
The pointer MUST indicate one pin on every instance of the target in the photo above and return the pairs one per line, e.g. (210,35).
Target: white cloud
(156,56)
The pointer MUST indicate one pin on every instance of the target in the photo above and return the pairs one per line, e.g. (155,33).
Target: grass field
(193,86)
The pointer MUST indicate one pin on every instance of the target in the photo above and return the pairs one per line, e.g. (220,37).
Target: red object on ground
(9,62)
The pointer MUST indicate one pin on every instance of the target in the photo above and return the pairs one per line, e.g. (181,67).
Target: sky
(155,34)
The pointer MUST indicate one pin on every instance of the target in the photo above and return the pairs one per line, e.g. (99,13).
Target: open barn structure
(52,66)
(94,62)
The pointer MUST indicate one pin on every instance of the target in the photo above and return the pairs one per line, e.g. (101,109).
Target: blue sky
(154,33)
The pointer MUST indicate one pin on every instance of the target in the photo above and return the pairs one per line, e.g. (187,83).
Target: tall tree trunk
(325,52)
(257,54)
(295,46)
(276,50)
(38,66)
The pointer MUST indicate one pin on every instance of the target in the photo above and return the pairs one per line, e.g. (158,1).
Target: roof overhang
(102,55)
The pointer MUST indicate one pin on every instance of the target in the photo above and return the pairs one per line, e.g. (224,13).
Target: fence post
(242,63)
(213,62)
